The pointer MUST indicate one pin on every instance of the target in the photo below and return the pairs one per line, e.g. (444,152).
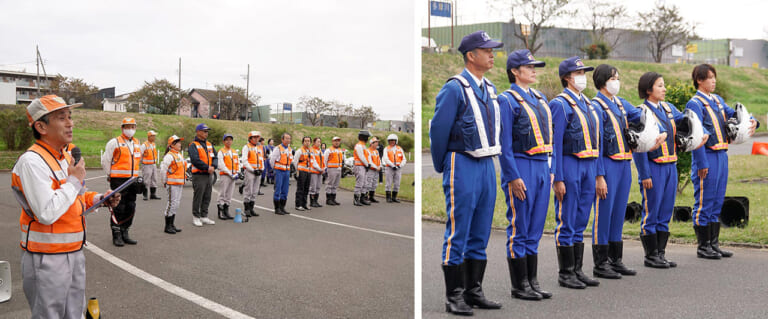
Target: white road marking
(167,286)
(88,179)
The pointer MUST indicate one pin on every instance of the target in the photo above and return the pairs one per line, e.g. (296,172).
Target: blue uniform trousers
(470,195)
(659,201)
(609,212)
(709,193)
(572,215)
(526,218)
(282,180)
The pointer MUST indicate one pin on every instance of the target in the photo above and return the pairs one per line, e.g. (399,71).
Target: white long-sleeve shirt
(385,159)
(328,153)
(167,161)
(314,164)
(244,158)
(223,166)
(370,159)
(360,150)
(297,155)
(106,158)
(276,154)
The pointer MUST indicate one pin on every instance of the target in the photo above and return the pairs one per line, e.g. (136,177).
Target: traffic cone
(92,311)
(759,148)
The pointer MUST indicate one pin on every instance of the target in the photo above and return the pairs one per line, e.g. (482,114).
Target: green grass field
(747,176)
(406,186)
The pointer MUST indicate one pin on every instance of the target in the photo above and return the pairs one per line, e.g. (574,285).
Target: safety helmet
(690,133)
(254,133)
(738,125)
(363,135)
(641,136)
(174,138)
(392,137)
(374,139)
(151,133)
(128,120)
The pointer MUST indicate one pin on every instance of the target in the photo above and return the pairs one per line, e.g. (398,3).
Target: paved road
(732,288)
(272,267)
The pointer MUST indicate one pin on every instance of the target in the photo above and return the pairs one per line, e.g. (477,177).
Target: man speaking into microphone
(48,183)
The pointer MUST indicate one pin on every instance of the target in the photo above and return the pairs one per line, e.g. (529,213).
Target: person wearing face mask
(121,159)
(709,165)
(615,115)
(574,163)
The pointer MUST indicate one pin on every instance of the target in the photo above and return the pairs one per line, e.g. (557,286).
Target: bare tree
(234,104)
(339,110)
(604,17)
(666,28)
(366,115)
(315,107)
(535,13)
(409,116)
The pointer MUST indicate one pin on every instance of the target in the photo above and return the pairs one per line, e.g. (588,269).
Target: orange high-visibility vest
(316,156)
(65,235)
(125,164)
(286,157)
(359,162)
(205,156)
(231,161)
(335,157)
(256,156)
(175,173)
(304,160)
(150,154)
(395,154)
(375,159)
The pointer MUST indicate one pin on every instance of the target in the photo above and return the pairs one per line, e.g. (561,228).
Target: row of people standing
(578,148)
(369,163)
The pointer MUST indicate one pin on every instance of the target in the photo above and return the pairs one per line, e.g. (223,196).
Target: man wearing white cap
(49,185)
(149,160)
(334,159)
(253,162)
(394,160)
(120,161)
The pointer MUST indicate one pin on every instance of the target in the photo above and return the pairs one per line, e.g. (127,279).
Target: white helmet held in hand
(641,137)
(392,137)
(738,125)
(690,132)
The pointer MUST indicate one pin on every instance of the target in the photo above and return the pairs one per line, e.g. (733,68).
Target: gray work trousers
(54,284)
(371,180)
(359,179)
(226,189)
(315,183)
(334,178)
(252,186)
(149,174)
(174,199)
(202,185)
(392,178)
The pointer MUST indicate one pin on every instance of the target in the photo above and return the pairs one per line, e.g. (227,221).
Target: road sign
(692,48)
(440,9)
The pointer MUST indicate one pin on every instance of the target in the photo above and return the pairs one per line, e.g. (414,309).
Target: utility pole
(247,87)
(37,61)
(178,112)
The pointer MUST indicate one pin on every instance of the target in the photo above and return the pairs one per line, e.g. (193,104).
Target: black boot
(117,236)
(357,200)
(144,192)
(173,224)
(578,261)
(220,208)
(532,264)
(704,250)
(474,270)
(389,197)
(253,212)
(168,227)
(335,203)
(126,238)
(615,254)
(226,212)
(566,276)
(328,200)
(394,197)
(454,291)
(364,199)
(661,238)
(371,197)
(652,252)
(602,268)
(518,274)
(282,207)
(247,209)
(316,200)
(714,239)
(278,211)
(152,191)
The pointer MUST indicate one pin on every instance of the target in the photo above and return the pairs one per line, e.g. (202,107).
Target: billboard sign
(440,9)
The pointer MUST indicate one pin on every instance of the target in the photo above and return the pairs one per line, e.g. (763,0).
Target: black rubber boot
(394,197)
(650,245)
(566,276)
(335,203)
(357,200)
(152,191)
(602,268)
(474,271)
(173,224)
(278,211)
(117,237)
(144,192)
(714,240)
(372,197)
(316,200)
(247,209)
(220,208)
(253,212)
(661,238)
(226,212)
(364,199)
(454,291)
(615,254)
(168,227)
(518,274)
(127,238)
(532,263)
(282,207)
(704,250)
(389,197)
(578,262)
(328,200)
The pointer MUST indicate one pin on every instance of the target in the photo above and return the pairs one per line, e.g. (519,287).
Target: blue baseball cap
(522,57)
(478,39)
(573,64)
(225,137)
(202,127)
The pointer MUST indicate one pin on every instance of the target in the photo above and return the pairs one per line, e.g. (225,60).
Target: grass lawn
(406,186)
(747,177)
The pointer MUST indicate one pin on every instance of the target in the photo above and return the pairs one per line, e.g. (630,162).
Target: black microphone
(76,155)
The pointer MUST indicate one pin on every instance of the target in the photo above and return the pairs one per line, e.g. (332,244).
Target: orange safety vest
(359,162)
(125,166)
(335,157)
(65,235)
(205,156)
(317,157)
(175,174)
(395,154)
(304,160)
(374,154)
(256,156)
(150,154)
(230,160)
(284,163)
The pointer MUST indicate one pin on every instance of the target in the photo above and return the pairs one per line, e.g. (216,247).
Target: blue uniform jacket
(642,159)
(510,110)
(562,116)
(195,158)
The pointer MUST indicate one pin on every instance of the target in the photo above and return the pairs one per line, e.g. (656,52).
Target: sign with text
(440,9)
(287,106)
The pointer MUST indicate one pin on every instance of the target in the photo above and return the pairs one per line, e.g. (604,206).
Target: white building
(117,104)
(24,86)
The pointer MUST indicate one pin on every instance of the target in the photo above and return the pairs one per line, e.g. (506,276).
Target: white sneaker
(207,221)
(196,222)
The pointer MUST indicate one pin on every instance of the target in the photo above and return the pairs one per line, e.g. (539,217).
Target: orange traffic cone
(92,311)
(759,148)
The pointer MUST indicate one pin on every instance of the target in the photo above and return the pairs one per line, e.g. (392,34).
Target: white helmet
(392,137)
(738,125)
(641,136)
(690,133)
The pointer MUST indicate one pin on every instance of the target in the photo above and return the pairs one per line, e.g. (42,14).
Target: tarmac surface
(332,262)
(735,287)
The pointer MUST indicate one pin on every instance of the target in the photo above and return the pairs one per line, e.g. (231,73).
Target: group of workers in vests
(368,165)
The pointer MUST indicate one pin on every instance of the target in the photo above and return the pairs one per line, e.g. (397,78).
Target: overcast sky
(735,19)
(354,51)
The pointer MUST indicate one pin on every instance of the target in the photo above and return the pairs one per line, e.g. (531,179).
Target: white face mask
(613,86)
(129,133)
(580,82)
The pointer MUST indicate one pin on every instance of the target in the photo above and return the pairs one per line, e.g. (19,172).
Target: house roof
(212,96)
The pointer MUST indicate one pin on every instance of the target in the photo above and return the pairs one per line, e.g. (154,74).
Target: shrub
(17,134)
(406,142)
(277,133)
(597,50)
(188,133)
(679,93)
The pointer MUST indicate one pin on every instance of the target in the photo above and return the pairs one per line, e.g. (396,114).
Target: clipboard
(96,205)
